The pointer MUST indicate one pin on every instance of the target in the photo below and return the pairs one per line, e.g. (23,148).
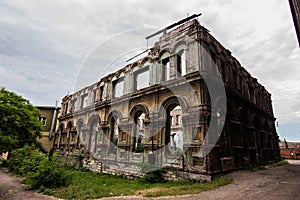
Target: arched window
(165,66)
(175,128)
(166,70)
(181,63)
(114,133)
(139,132)
(79,132)
(93,134)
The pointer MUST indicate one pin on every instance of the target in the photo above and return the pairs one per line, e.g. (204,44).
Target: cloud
(47,48)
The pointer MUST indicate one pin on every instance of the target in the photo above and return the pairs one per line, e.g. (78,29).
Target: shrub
(37,169)
(48,175)
(24,160)
(153,177)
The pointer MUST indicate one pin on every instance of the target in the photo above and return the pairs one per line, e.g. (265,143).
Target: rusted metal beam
(173,25)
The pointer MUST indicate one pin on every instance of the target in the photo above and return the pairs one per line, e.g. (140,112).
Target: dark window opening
(166,69)
(43,120)
(213,62)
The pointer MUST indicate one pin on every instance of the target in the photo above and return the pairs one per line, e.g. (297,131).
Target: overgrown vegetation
(155,176)
(19,121)
(153,173)
(37,169)
(88,185)
(69,182)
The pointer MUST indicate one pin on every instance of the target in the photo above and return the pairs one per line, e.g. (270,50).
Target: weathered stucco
(89,117)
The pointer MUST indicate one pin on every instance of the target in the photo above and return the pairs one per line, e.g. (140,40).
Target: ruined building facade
(158,110)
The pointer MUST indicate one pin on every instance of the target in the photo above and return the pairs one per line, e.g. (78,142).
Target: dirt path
(270,184)
(273,183)
(11,188)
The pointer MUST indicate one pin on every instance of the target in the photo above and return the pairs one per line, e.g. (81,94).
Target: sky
(50,48)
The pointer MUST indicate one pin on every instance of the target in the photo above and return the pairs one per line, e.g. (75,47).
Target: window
(74,102)
(181,63)
(166,69)
(178,120)
(93,137)
(98,93)
(223,71)
(101,93)
(251,92)
(172,120)
(84,101)
(114,134)
(138,139)
(95,94)
(234,78)
(43,120)
(213,62)
(118,87)
(66,107)
(141,78)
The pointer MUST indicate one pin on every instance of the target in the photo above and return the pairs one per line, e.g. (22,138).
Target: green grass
(282,162)
(88,185)
(190,188)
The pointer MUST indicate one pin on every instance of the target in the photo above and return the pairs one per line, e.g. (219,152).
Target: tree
(19,121)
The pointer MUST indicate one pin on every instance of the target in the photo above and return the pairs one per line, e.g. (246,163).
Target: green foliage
(37,169)
(281,163)
(155,176)
(177,152)
(48,175)
(89,185)
(19,124)
(3,163)
(153,173)
(139,148)
(24,160)
(190,187)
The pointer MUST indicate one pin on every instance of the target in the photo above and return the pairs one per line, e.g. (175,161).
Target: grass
(282,162)
(190,188)
(88,185)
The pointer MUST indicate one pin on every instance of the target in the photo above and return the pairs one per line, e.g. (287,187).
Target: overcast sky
(45,46)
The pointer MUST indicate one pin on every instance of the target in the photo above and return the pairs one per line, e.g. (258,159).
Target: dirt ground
(273,183)
(11,188)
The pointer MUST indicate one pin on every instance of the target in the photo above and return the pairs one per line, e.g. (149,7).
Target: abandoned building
(49,115)
(158,110)
(295,10)
(290,150)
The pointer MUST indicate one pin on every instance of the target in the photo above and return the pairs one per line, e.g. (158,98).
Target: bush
(153,177)
(37,169)
(24,160)
(48,175)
